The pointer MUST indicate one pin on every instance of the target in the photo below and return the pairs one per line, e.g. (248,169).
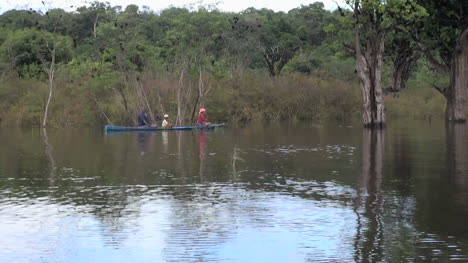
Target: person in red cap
(202,120)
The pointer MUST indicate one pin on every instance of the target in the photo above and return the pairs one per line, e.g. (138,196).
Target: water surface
(259,193)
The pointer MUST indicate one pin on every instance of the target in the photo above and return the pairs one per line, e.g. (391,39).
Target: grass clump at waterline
(415,104)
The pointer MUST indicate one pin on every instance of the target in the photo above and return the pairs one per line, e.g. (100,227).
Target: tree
(444,42)
(373,20)
(404,55)
(87,19)
(402,47)
(54,43)
(310,22)
(278,42)
(20,19)
(27,48)
(238,41)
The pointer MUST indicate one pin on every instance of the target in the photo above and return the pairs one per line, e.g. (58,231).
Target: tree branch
(430,57)
(349,49)
(440,89)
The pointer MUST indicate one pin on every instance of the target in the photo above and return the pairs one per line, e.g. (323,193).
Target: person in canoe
(165,123)
(202,119)
(143,118)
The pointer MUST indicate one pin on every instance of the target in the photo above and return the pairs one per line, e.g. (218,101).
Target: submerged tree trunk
(369,61)
(456,93)
(50,156)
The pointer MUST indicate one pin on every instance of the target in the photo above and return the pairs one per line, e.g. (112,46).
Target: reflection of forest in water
(410,197)
(398,221)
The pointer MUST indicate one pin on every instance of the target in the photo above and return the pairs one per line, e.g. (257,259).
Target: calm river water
(259,193)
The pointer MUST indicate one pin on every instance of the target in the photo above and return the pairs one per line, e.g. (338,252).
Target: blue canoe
(110,128)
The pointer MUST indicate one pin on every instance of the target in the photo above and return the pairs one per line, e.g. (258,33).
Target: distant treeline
(100,64)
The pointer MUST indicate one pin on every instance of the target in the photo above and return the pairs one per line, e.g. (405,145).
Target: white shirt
(164,123)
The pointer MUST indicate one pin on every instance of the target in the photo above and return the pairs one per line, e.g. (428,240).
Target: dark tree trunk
(403,66)
(370,74)
(456,93)
(275,58)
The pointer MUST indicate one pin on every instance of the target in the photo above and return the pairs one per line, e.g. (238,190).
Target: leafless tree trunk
(202,93)
(275,58)
(101,110)
(369,61)
(179,98)
(143,99)
(201,90)
(95,25)
(160,101)
(51,75)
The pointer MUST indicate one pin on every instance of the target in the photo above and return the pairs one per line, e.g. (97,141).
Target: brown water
(259,193)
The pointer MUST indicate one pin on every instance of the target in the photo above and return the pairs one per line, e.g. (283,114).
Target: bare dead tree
(275,58)
(51,75)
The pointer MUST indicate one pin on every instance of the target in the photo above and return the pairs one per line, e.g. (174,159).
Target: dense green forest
(100,64)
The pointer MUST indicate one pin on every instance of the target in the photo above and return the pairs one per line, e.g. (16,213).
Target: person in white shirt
(165,123)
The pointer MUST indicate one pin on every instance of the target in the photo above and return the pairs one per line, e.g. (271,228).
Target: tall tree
(238,41)
(444,42)
(88,18)
(53,44)
(404,55)
(402,47)
(373,20)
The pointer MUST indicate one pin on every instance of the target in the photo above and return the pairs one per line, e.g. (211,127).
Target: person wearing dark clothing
(143,118)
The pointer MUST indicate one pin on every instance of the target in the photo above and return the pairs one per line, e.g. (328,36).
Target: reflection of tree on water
(202,152)
(368,243)
(48,151)
(111,209)
(195,222)
(441,212)
(181,171)
(446,194)
(457,153)
(165,140)
(235,158)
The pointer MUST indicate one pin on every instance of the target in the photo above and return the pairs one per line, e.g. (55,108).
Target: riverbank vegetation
(100,64)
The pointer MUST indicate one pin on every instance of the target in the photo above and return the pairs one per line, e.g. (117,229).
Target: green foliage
(110,61)
(431,104)
(447,20)
(27,49)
